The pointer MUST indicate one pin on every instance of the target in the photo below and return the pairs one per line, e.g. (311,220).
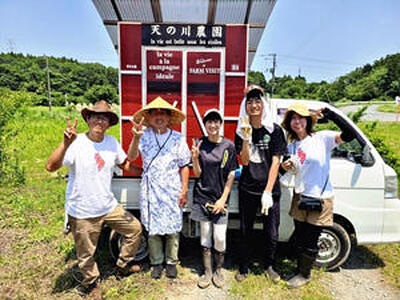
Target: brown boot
(218,278)
(128,270)
(93,291)
(205,279)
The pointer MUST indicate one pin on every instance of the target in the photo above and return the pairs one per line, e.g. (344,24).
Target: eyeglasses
(100,118)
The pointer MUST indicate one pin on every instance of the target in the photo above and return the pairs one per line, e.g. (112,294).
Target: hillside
(70,80)
(73,81)
(377,81)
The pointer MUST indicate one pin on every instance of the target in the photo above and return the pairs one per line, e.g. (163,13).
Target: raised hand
(137,128)
(196,148)
(245,128)
(70,133)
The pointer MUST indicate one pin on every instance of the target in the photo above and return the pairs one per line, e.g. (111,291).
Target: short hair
(254,93)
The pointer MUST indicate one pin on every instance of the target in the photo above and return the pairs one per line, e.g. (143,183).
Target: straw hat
(176,117)
(102,107)
(302,110)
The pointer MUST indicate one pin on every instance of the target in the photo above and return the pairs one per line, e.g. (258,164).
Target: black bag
(309,203)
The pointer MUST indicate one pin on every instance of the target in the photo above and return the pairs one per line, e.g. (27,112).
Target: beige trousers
(86,234)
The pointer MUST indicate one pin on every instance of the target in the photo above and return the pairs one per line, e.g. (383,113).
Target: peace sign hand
(196,148)
(137,129)
(70,133)
(245,128)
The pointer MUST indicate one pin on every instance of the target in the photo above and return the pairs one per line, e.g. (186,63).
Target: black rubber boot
(305,264)
(218,277)
(205,279)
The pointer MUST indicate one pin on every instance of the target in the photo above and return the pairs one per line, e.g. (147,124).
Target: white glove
(266,202)
(245,128)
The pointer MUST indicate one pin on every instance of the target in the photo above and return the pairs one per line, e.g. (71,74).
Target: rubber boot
(205,279)
(305,263)
(218,278)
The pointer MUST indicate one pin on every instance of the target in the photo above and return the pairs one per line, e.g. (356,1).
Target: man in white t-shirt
(90,203)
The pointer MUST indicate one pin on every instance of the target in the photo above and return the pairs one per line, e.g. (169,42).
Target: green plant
(12,107)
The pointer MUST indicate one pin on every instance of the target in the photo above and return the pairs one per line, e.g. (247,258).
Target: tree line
(378,81)
(72,81)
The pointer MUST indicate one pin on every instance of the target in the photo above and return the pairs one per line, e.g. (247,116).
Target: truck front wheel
(334,247)
(115,241)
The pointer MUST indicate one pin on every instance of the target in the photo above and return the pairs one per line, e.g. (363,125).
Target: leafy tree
(101,92)
(70,80)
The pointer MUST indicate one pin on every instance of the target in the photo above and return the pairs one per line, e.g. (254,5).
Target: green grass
(37,260)
(390,107)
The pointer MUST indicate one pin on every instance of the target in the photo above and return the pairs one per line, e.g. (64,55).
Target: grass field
(390,107)
(37,260)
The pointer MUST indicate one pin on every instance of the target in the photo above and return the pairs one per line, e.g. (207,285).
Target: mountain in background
(379,81)
(72,81)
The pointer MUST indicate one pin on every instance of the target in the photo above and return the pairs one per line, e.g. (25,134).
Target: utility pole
(273,72)
(48,83)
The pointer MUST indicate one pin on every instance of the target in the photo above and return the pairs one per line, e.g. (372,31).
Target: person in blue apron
(214,164)
(260,143)
(165,177)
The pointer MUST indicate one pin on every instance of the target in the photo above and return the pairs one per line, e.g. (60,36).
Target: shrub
(12,106)
(369,129)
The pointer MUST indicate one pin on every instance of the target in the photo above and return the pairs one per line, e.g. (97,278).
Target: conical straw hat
(176,117)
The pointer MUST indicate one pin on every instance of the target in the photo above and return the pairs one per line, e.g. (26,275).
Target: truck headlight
(391,186)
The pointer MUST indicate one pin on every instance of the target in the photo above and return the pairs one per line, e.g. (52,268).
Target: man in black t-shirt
(260,144)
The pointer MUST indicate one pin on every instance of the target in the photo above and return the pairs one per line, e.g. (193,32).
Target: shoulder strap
(158,152)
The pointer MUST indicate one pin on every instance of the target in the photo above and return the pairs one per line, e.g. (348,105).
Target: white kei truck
(209,70)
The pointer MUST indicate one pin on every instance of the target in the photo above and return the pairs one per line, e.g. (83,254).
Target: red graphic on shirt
(99,161)
(301,155)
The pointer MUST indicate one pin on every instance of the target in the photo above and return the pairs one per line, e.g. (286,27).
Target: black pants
(305,237)
(249,204)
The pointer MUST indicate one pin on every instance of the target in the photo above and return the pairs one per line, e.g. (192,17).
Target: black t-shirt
(217,160)
(264,145)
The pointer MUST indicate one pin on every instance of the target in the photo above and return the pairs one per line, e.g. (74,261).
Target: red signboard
(194,77)
(164,65)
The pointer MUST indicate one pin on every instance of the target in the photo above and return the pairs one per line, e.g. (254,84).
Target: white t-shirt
(91,166)
(397,100)
(314,154)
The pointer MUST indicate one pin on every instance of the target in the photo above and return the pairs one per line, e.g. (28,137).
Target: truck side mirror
(365,159)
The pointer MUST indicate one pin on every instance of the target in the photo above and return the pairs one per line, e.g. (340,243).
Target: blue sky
(320,39)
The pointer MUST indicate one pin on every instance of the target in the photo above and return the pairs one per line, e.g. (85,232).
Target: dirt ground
(360,279)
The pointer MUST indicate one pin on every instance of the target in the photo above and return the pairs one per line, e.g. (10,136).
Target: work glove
(266,202)
(245,128)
